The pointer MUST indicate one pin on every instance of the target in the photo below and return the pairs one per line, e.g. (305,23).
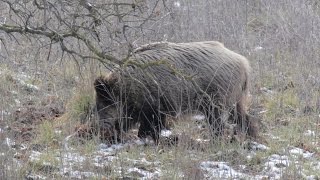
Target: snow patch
(300,152)
(145,174)
(103,161)
(177,4)
(17,101)
(72,158)
(258,48)
(80,175)
(34,176)
(311,177)
(9,142)
(220,170)
(275,166)
(112,148)
(309,133)
(166,133)
(258,147)
(198,117)
(35,156)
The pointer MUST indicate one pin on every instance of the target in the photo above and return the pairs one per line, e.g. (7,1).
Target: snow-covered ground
(71,163)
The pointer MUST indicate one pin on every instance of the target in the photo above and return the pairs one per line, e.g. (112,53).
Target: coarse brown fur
(175,78)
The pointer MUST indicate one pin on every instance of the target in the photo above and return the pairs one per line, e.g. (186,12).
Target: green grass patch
(280,105)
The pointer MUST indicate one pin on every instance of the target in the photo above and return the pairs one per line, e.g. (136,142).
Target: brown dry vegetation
(45,98)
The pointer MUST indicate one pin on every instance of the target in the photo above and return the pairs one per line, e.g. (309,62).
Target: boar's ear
(112,78)
(105,83)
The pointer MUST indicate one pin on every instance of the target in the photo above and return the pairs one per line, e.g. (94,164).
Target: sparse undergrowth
(46,102)
(290,151)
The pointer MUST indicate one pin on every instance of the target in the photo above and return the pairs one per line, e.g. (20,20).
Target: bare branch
(105,30)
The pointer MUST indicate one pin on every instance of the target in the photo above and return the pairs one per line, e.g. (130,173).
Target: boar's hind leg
(245,122)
